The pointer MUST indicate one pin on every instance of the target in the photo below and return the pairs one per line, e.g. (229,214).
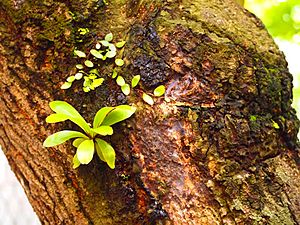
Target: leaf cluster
(90,140)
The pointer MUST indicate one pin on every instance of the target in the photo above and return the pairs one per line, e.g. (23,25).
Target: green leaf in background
(79,53)
(100,115)
(56,117)
(104,130)
(148,99)
(108,37)
(120,113)
(110,54)
(135,80)
(66,85)
(96,53)
(120,44)
(88,63)
(85,151)
(119,62)
(108,152)
(62,136)
(125,89)
(78,76)
(65,108)
(159,91)
(120,81)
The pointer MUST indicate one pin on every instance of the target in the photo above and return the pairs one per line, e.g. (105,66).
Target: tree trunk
(223,148)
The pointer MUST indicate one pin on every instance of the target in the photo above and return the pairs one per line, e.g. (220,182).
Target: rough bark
(211,155)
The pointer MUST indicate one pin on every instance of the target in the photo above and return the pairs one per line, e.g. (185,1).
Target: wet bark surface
(221,150)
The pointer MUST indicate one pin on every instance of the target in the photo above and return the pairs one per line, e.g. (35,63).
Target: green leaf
(125,89)
(120,81)
(88,63)
(66,85)
(62,136)
(119,113)
(108,152)
(86,89)
(105,43)
(148,99)
(99,152)
(108,37)
(79,53)
(85,151)
(112,48)
(119,62)
(100,115)
(78,76)
(96,54)
(97,82)
(120,44)
(94,71)
(79,66)
(77,142)
(62,107)
(110,54)
(114,74)
(159,91)
(104,130)
(135,80)
(71,79)
(76,162)
(56,117)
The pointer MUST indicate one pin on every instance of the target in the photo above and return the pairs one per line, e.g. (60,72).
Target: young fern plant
(89,141)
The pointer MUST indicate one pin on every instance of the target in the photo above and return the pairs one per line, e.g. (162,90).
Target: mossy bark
(223,148)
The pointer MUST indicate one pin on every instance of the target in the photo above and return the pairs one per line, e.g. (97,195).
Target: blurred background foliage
(282,19)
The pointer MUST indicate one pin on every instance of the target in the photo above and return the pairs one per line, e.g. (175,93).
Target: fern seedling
(89,141)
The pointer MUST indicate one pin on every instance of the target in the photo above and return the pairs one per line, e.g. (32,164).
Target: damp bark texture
(221,150)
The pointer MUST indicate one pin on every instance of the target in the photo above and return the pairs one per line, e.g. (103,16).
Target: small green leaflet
(110,54)
(66,85)
(135,80)
(120,44)
(148,99)
(112,48)
(79,66)
(105,43)
(85,151)
(88,63)
(120,113)
(120,81)
(62,136)
(114,74)
(56,117)
(97,82)
(108,37)
(119,62)
(125,89)
(79,53)
(96,53)
(104,130)
(71,79)
(78,76)
(159,91)
(107,151)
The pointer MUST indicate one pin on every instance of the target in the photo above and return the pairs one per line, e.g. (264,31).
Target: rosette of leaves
(90,140)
